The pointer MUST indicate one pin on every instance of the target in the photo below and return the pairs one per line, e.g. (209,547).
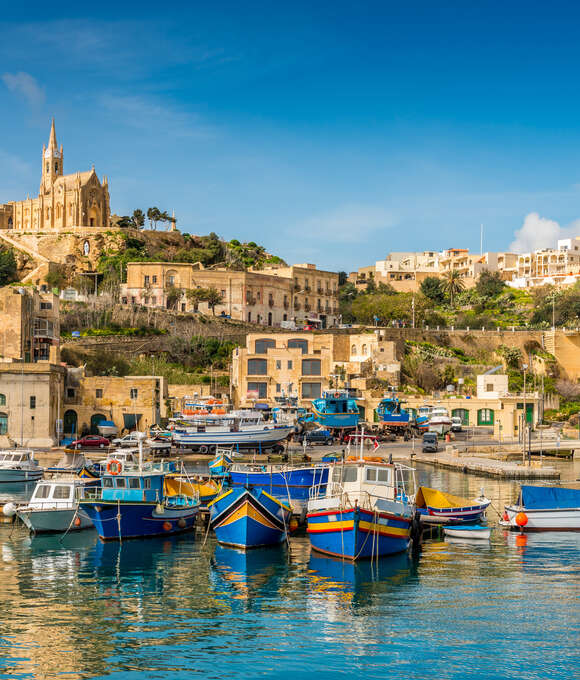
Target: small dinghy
(469,531)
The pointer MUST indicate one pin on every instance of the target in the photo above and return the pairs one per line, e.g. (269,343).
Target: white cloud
(25,85)
(539,232)
(347,224)
(151,116)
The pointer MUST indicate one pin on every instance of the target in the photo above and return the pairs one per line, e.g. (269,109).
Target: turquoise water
(179,608)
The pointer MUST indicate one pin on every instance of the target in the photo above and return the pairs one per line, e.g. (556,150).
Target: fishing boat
(423,416)
(204,488)
(439,420)
(438,507)
(471,532)
(72,462)
(19,465)
(134,502)
(364,512)
(54,508)
(249,518)
(392,413)
(545,508)
(288,483)
(235,429)
(126,457)
(336,409)
(221,463)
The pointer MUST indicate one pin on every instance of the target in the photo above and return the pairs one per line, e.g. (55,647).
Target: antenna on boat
(362,438)
(140,438)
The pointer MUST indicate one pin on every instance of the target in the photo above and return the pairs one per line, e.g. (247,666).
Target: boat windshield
(345,474)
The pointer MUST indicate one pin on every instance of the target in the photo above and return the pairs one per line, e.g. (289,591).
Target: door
(70,427)
(96,418)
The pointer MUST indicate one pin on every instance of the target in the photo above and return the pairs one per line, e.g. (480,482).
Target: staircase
(42,262)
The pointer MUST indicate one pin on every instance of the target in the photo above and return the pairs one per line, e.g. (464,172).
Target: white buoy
(9,510)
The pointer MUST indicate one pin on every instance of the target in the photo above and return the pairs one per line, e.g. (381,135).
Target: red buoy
(167,526)
(506,517)
(77,521)
(521,519)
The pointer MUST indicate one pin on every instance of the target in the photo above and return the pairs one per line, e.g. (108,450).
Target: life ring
(337,395)
(114,467)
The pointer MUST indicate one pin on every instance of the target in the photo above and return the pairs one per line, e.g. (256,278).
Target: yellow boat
(206,489)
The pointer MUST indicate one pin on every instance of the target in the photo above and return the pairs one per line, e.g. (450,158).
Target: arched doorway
(96,419)
(70,426)
(3,423)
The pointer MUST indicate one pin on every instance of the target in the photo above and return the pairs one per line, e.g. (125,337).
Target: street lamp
(524,418)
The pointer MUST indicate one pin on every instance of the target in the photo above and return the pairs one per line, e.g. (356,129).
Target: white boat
(107,428)
(469,532)
(19,465)
(439,420)
(53,507)
(544,508)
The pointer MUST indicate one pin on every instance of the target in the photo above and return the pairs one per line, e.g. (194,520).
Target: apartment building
(300,294)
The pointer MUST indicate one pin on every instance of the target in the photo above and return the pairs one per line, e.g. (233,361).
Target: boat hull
(56,520)
(336,420)
(553,519)
(243,439)
(246,518)
(121,520)
(291,484)
(471,533)
(357,533)
(11,475)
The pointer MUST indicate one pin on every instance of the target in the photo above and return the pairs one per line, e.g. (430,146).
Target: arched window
(364,350)
(171,278)
(263,344)
(257,367)
(3,423)
(2,400)
(353,350)
(298,343)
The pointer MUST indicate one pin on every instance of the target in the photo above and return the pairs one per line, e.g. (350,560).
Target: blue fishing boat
(290,484)
(392,413)
(336,409)
(365,511)
(423,416)
(133,502)
(221,463)
(249,518)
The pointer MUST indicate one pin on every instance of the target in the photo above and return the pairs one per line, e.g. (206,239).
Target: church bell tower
(52,161)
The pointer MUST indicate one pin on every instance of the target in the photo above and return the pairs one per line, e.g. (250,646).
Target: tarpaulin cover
(548,497)
(438,499)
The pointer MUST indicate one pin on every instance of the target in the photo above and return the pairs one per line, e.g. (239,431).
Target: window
(61,492)
(290,365)
(262,346)
(249,316)
(70,392)
(120,482)
(134,393)
(223,293)
(485,416)
(278,364)
(378,475)
(170,280)
(99,393)
(154,278)
(298,343)
(107,481)
(489,387)
(260,387)
(134,483)
(42,491)
(146,483)
(257,367)
(311,390)
(3,423)
(146,281)
(278,388)
(2,400)
(311,366)
(46,305)
(353,350)
(154,300)
(462,413)
(33,402)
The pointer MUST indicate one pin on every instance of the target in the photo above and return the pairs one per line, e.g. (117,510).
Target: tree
(153,215)
(172,296)
(433,288)
(213,297)
(8,267)
(568,389)
(139,218)
(489,284)
(195,296)
(453,283)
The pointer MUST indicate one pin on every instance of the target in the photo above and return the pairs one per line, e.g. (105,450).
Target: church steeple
(52,161)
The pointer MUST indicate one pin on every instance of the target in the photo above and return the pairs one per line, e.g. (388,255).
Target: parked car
(316,437)
(129,440)
(430,442)
(91,440)
(456,424)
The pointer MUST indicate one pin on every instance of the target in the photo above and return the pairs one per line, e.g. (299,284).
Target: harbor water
(183,607)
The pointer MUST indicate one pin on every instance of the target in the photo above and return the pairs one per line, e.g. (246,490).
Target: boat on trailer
(365,512)
(336,409)
(544,508)
(392,414)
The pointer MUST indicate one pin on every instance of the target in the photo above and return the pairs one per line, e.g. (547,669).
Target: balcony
(307,288)
(297,287)
(44,329)
(320,290)
(296,306)
(307,307)
(250,300)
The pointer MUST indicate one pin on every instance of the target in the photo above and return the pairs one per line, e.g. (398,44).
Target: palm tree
(453,283)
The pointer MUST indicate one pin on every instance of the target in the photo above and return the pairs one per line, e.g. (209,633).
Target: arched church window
(47,167)
(56,167)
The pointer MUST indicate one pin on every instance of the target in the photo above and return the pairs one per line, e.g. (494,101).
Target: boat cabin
(337,402)
(17,457)
(58,492)
(133,486)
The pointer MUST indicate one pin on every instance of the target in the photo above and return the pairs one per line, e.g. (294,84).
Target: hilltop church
(65,202)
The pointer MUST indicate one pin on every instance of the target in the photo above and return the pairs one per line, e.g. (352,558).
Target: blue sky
(329,132)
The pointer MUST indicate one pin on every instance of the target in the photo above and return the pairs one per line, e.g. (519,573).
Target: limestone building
(64,202)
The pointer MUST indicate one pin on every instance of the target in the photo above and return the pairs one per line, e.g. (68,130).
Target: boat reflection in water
(19,492)
(250,573)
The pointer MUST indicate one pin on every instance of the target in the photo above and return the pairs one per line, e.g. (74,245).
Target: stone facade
(270,297)
(64,202)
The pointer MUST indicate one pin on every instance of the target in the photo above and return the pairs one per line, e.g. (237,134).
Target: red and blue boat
(249,518)
(439,507)
(391,412)
(365,511)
